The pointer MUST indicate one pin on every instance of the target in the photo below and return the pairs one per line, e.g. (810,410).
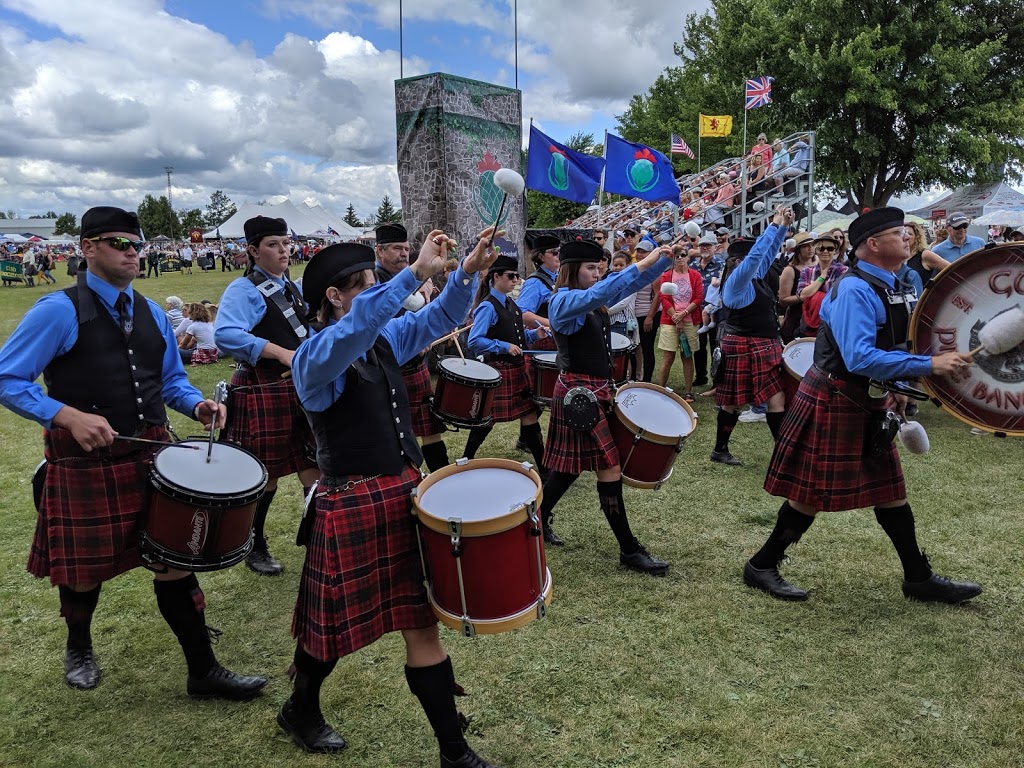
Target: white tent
(973,201)
(304,220)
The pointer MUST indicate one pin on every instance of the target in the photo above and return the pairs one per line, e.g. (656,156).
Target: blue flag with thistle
(636,170)
(556,170)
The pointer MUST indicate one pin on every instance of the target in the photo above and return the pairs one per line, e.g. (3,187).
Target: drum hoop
(493,626)
(786,367)
(178,492)
(175,559)
(505,522)
(539,362)
(650,436)
(446,374)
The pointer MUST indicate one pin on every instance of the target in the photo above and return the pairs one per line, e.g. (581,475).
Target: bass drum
(955,305)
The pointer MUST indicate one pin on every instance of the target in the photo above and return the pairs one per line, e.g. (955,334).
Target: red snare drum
(797,359)
(200,514)
(465,389)
(650,426)
(545,374)
(622,350)
(480,539)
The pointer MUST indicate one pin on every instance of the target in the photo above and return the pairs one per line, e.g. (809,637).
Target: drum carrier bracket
(455,531)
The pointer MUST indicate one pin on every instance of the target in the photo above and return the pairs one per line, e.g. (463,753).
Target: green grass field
(691,670)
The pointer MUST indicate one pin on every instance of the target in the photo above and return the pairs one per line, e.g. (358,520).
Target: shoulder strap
(275,293)
(543,277)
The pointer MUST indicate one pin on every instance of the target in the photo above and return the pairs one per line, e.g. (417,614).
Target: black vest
(508,327)
(368,430)
(891,335)
(544,277)
(127,393)
(916,264)
(589,349)
(274,327)
(758,319)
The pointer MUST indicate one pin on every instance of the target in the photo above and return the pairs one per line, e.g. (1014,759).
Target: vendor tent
(303,220)
(973,201)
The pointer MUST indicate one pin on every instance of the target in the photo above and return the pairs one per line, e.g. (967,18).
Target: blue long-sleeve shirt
(484,317)
(738,290)
(533,292)
(854,318)
(568,309)
(50,329)
(321,362)
(241,308)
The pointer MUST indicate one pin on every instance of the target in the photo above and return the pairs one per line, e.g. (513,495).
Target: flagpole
(743,170)
(699,166)
(600,190)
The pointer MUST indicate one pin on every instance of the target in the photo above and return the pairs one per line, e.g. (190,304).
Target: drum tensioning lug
(680,444)
(461,462)
(455,530)
(534,518)
(526,465)
(542,609)
(468,630)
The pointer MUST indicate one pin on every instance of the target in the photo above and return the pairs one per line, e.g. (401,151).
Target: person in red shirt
(680,316)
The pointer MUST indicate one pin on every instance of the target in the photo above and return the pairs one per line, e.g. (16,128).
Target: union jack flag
(759,92)
(680,147)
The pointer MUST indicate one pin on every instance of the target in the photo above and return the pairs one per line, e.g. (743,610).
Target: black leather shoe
(770,580)
(700,382)
(939,589)
(644,562)
(724,457)
(80,669)
(469,760)
(521,446)
(552,538)
(312,734)
(260,561)
(221,683)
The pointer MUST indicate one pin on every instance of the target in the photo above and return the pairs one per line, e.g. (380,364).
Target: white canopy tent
(973,201)
(304,220)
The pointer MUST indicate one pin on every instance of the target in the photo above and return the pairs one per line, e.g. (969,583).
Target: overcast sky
(272,98)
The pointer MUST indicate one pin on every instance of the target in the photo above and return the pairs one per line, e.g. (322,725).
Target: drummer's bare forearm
(534,320)
(275,352)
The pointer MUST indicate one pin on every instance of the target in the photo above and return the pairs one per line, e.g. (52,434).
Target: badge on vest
(299,329)
(268,288)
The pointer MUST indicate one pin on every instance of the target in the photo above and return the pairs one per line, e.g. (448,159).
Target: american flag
(759,92)
(679,147)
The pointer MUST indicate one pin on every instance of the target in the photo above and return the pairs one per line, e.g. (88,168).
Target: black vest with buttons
(274,327)
(127,393)
(368,429)
(759,319)
(544,277)
(587,351)
(508,327)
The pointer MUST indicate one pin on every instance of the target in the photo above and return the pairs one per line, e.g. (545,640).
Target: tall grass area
(693,669)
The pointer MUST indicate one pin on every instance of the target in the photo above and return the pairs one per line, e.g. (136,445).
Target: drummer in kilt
(260,322)
(834,451)
(579,438)
(392,256)
(363,575)
(110,363)
(539,287)
(498,334)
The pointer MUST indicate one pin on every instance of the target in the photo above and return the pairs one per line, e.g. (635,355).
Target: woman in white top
(198,342)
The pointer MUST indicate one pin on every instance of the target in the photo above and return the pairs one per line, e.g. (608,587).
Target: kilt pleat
(514,397)
(753,370)
(568,450)
(417,384)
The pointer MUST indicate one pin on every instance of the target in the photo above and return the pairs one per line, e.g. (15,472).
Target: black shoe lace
(213,634)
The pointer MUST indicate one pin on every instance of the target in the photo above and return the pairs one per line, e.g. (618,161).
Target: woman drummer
(579,438)
(538,287)
(498,334)
(362,576)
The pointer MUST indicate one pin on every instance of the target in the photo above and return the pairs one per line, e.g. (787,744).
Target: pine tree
(350,217)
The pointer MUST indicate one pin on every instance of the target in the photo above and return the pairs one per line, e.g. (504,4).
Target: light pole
(170,205)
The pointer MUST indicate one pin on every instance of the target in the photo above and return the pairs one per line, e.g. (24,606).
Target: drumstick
(451,335)
(220,394)
(459,348)
(157,442)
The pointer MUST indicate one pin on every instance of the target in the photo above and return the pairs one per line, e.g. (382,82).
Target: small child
(712,303)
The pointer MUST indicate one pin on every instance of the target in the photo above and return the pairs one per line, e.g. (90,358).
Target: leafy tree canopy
(157,218)
(67,224)
(218,210)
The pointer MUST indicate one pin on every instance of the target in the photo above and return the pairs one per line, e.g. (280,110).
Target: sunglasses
(962,226)
(120,243)
(824,249)
(510,275)
(552,250)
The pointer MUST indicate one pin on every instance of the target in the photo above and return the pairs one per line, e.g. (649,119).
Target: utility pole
(170,205)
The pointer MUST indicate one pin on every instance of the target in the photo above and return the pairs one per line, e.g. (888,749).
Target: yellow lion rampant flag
(715,125)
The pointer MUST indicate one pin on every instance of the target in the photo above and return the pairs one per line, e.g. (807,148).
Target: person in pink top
(680,316)
(762,149)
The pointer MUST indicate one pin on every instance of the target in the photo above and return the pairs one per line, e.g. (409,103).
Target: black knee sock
(898,523)
(775,422)
(555,487)
(789,527)
(477,435)
(434,686)
(260,519)
(531,435)
(310,674)
(726,424)
(614,508)
(183,607)
(436,455)
(77,609)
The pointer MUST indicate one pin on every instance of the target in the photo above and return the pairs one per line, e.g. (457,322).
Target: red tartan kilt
(363,576)
(514,397)
(204,356)
(547,343)
(89,515)
(567,450)
(265,418)
(818,458)
(753,370)
(417,384)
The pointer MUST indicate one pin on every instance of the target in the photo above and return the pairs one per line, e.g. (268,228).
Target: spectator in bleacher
(761,148)
(780,159)
(631,236)
(959,242)
(755,181)
(723,201)
(789,298)
(721,243)
(601,238)
(801,159)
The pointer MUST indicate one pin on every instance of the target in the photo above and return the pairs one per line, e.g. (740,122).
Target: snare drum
(797,358)
(464,391)
(622,350)
(480,540)
(545,375)
(650,426)
(200,514)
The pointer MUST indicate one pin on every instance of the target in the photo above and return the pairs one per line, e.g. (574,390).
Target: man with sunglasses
(959,242)
(110,363)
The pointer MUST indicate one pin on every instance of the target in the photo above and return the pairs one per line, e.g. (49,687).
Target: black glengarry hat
(740,248)
(264,226)
(580,251)
(391,233)
(873,222)
(106,218)
(330,265)
(504,264)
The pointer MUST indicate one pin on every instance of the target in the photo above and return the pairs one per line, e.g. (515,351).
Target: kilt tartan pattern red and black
(819,455)
(547,343)
(752,370)
(514,397)
(420,390)
(568,450)
(90,512)
(265,418)
(363,576)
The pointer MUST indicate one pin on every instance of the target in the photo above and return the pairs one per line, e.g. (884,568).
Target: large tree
(191,218)
(387,213)
(157,218)
(66,224)
(903,94)
(350,217)
(219,209)
(545,211)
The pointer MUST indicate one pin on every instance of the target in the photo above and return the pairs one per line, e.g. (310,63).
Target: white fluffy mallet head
(1003,332)
(669,289)
(414,301)
(914,438)
(691,229)
(790,244)
(509,182)
(758,205)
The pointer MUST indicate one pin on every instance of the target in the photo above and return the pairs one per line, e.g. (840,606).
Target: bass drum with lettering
(955,305)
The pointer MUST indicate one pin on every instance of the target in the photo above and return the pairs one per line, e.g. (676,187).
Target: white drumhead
(798,356)
(547,358)
(474,495)
(230,471)
(655,412)
(620,342)
(469,369)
